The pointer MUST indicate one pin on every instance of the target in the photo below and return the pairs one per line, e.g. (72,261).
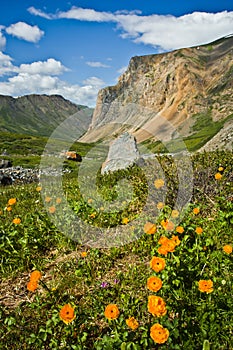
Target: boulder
(122,153)
(6,180)
(4,163)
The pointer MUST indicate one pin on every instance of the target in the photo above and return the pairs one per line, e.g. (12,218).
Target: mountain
(36,114)
(185,93)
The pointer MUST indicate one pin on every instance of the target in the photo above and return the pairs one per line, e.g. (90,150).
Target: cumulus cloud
(164,31)
(49,67)
(2,39)
(25,31)
(25,83)
(41,77)
(6,65)
(97,64)
(170,32)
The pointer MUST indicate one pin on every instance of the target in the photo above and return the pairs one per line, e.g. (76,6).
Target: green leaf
(206,345)
(123,346)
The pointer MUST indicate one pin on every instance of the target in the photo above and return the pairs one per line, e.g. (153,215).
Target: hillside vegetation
(81,296)
(35,114)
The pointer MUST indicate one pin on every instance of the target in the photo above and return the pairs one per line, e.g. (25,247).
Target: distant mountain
(36,114)
(192,88)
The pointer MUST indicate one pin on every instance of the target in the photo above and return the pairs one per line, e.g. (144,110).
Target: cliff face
(174,86)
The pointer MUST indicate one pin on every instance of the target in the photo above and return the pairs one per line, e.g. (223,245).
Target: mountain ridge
(35,114)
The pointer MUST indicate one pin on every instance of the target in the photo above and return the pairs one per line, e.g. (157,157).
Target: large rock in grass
(4,163)
(122,153)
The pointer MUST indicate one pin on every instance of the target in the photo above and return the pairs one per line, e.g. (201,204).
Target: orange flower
(38,188)
(156,306)
(167,225)
(175,213)
(179,229)
(227,248)
(11,201)
(176,240)
(48,199)
(162,250)
(168,245)
(160,205)
(58,200)
(93,215)
(52,209)
(9,208)
(32,285)
(111,312)
(157,264)
(163,240)
(35,275)
(149,228)
(154,283)
(159,334)
(196,211)
(220,168)
(205,286)
(16,221)
(218,176)
(199,230)
(125,221)
(132,323)
(159,183)
(83,254)
(67,314)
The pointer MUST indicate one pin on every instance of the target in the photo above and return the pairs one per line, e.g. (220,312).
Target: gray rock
(122,153)
(4,163)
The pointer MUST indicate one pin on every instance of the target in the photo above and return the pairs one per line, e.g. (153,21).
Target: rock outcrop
(123,152)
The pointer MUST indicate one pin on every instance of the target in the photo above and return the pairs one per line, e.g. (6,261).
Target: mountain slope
(191,88)
(35,114)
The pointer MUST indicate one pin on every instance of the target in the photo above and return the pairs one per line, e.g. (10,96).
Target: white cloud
(2,39)
(97,64)
(49,67)
(122,70)
(6,66)
(169,32)
(26,83)
(37,12)
(25,31)
(94,81)
(90,15)
(166,32)
(41,77)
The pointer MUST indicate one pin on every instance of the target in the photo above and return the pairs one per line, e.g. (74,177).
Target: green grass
(26,150)
(194,319)
(203,130)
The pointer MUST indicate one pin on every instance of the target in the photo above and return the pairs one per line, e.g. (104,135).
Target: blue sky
(74,48)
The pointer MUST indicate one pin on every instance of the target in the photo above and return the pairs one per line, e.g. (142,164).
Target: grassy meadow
(169,288)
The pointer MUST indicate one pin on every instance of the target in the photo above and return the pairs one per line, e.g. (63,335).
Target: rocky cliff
(191,88)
